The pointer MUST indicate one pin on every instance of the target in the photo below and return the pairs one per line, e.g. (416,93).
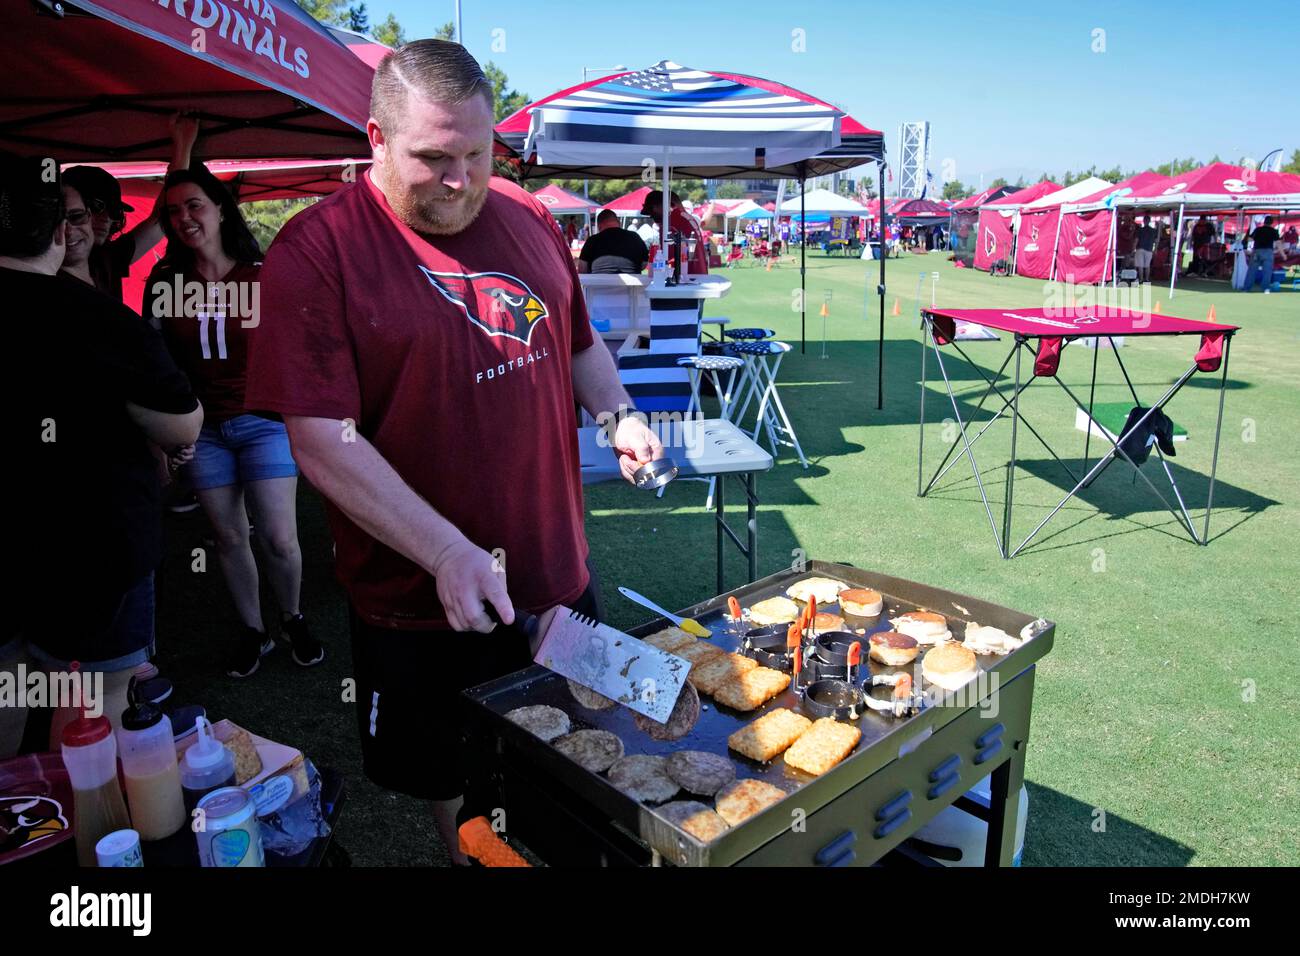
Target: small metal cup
(654,474)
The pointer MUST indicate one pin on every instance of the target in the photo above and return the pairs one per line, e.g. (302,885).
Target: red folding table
(1043,333)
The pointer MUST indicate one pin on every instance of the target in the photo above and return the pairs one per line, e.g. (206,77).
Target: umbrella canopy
(705,123)
(823,201)
(97,82)
(256,180)
(1067,194)
(364,48)
(1018,198)
(1110,195)
(756,213)
(1223,185)
(561,202)
(629,204)
(677,117)
(992,194)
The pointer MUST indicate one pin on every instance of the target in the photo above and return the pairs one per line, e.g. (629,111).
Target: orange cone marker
(896,311)
(1210,317)
(825,311)
(1156,310)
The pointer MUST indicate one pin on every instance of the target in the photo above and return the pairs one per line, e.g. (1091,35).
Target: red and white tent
(1038,227)
(1085,251)
(96,82)
(561,202)
(996,239)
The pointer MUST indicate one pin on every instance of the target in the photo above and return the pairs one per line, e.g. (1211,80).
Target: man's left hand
(636,445)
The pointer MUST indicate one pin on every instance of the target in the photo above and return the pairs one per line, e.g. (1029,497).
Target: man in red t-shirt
(680,221)
(424,336)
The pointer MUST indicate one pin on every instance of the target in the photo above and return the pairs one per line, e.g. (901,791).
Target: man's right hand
(467,577)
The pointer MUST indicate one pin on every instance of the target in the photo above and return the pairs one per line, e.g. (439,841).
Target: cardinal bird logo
(497,303)
(990,242)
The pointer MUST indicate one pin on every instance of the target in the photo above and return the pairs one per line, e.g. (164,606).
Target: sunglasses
(78,217)
(96,206)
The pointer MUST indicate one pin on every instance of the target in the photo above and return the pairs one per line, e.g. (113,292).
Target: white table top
(693,287)
(700,447)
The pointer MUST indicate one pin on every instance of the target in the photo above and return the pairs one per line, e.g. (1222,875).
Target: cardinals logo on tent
(1080,249)
(497,303)
(1238,186)
(1032,245)
(990,243)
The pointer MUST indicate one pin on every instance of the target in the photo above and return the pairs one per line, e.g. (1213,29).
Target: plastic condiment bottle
(90,756)
(208,766)
(153,779)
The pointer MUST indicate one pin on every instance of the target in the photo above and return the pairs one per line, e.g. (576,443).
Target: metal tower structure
(913,151)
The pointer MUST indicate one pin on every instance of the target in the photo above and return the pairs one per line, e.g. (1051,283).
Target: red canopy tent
(561,202)
(1086,253)
(98,81)
(629,204)
(992,194)
(995,240)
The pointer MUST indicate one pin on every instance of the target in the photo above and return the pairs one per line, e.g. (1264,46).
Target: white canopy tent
(822,202)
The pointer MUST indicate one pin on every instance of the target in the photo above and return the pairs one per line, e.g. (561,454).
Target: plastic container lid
(207,751)
(85,731)
(141,716)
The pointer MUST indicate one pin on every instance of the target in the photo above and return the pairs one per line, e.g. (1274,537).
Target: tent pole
(1051,273)
(1112,250)
(880,289)
(1177,250)
(803,260)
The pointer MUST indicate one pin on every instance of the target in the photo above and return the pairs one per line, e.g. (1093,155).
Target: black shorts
(408,683)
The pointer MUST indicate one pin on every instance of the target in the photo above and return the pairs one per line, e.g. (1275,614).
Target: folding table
(701,448)
(1042,333)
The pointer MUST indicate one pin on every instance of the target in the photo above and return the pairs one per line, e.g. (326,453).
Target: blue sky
(1009,88)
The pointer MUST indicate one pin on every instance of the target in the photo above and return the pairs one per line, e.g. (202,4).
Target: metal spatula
(621,667)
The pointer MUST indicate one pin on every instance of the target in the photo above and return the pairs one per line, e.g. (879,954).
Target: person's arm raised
(351,473)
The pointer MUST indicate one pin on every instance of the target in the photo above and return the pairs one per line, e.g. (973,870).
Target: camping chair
(775,254)
(737,254)
(761,250)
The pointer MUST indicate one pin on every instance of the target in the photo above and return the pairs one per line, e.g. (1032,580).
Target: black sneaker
(252,646)
(307,651)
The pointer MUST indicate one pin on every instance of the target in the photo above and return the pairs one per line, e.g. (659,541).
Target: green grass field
(1167,718)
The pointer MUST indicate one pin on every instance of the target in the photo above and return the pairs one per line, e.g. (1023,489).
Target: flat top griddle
(883,737)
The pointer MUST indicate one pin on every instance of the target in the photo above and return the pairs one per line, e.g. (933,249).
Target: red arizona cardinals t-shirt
(452,355)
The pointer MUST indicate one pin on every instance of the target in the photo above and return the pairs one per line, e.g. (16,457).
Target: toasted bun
(893,649)
(949,665)
(776,610)
(863,602)
(926,626)
(825,622)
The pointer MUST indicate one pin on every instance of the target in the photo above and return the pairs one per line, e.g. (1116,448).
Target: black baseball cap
(95,183)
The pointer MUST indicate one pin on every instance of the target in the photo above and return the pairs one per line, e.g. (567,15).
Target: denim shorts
(128,641)
(239,450)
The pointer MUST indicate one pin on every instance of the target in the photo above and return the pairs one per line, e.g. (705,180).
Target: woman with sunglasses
(204,293)
(111,258)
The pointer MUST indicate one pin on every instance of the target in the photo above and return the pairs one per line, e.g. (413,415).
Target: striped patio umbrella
(698,123)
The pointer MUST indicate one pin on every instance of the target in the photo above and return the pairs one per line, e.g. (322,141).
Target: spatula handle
(525,623)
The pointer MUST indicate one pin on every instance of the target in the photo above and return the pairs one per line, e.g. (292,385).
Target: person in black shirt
(612,249)
(1261,260)
(111,259)
(89,386)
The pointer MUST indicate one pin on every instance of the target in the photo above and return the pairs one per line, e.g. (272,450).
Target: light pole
(598,69)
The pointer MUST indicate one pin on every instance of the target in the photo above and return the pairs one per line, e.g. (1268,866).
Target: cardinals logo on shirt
(497,303)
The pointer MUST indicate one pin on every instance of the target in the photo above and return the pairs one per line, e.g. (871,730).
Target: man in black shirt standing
(88,387)
(1261,260)
(612,249)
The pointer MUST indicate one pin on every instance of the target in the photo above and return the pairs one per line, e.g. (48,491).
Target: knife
(623,668)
